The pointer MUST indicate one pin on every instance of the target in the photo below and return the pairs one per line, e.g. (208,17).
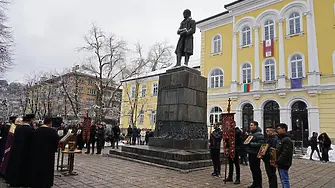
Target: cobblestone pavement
(99,172)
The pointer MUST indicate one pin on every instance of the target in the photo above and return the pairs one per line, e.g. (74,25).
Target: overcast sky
(48,32)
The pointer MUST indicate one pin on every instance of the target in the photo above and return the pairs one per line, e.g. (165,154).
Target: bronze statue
(185,43)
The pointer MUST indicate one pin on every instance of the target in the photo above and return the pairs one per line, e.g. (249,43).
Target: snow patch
(316,157)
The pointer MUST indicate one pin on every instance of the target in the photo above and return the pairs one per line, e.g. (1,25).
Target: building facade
(71,96)
(276,60)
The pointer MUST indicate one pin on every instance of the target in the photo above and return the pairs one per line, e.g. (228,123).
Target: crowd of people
(276,138)
(138,136)
(28,152)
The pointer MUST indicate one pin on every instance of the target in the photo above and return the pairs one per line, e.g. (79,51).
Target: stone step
(169,154)
(183,166)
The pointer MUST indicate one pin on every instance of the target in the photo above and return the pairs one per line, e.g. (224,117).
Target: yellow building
(139,99)
(272,46)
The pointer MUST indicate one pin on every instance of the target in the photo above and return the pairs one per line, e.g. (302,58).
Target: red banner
(228,129)
(268,48)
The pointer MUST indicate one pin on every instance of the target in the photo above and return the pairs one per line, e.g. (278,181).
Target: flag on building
(296,83)
(246,88)
(268,48)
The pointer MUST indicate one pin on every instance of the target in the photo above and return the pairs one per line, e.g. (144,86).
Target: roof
(209,18)
(158,72)
(233,3)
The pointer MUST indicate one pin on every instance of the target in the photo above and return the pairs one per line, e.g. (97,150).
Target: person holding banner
(235,161)
(253,144)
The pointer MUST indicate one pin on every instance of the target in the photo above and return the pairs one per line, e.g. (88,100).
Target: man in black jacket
(284,155)
(272,140)
(313,142)
(252,148)
(215,144)
(235,161)
(116,139)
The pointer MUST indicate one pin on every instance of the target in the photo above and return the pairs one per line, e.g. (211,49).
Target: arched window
(215,115)
(216,78)
(294,23)
(246,36)
(269,30)
(269,68)
(217,43)
(246,73)
(296,66)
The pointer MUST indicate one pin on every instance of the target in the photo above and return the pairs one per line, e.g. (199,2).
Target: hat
(28,117)
(18,121)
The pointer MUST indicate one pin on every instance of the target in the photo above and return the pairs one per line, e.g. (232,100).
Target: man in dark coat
(235,161)
(44,146)
(100,135)
(129,134)
(252,148)
(185,43)
(284,155)
(116,132)
(134,135)
(272,140)
(19,170)
(215,145)
(313,142)
(92,139)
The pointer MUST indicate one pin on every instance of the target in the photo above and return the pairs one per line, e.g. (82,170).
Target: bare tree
(6,40)
(108,64)
(160,56)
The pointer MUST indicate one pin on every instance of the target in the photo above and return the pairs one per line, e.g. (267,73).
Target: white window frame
(215,77)
(215,114)
(334,56)
(245,33)
(92,92)
(288,34)
(216,42)
(132,92)
(264,73)
(154,89)
(290,65)
(141,117)
(244,69)
(143,90)
(269,25)
(153,117)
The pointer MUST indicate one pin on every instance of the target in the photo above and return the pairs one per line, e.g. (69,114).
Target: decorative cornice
(215,22)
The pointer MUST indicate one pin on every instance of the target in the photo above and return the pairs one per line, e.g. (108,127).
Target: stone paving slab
(103,172)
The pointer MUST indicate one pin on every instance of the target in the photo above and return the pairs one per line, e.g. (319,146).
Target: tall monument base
(181,138)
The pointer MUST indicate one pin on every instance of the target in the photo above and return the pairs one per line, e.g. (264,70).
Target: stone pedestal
(181,139)
(181,110)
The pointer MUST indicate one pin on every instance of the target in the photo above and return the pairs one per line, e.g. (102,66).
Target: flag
(296,83)
(268,48)
(246,88)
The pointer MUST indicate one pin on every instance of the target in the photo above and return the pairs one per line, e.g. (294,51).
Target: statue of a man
(185,43)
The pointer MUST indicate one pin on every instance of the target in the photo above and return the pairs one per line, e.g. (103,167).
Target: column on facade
(233,86)
(256,81)
(313,57)
(258,116)
(314,120)
(281,76)
(285,117)
(238,118)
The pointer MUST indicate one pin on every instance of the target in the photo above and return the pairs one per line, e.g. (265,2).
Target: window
(155,89)
(246,36)
(143,90)
(141,117)
(246,73)
(269,30)
(215,115)
(217,44)
(216,78)
(153,118)
(92,92)
(269,67)
(294,23)
(297,66)
(132,92)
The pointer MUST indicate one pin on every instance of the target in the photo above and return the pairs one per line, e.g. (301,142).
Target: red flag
(268,48)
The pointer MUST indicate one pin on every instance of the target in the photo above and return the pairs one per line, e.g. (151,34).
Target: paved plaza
(98,171)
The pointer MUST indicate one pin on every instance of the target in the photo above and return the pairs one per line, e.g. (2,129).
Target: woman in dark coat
(325,144)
